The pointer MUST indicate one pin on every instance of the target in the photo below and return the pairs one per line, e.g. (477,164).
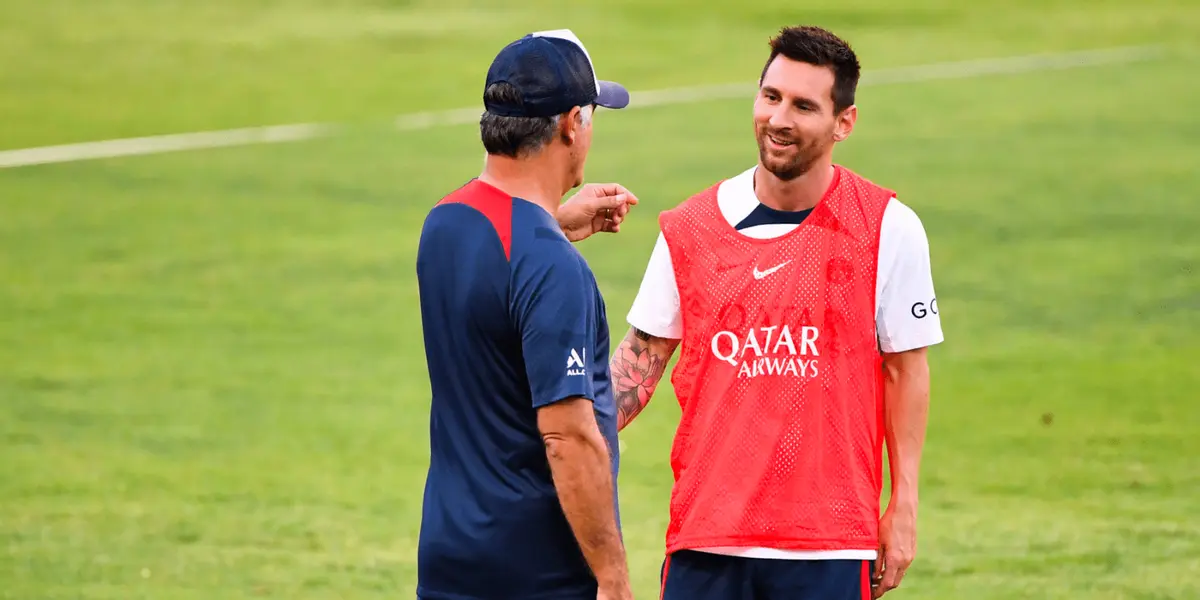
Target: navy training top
(513,320)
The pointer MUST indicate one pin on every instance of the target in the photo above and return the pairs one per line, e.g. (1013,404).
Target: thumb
(613,194)
(614,200)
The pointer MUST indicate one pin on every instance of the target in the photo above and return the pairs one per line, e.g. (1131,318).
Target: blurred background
(212,381)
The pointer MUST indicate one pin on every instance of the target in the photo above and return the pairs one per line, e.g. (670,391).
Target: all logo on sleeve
(575,362)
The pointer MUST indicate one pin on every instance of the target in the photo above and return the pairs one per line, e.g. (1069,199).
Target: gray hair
(516,137)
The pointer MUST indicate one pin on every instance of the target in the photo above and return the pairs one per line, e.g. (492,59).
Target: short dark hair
(819,47)
(513,136)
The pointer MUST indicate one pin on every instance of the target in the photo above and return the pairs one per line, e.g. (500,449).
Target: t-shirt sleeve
(554,307)
(655,309)
(907,311)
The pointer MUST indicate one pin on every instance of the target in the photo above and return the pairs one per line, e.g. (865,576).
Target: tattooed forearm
(637,367)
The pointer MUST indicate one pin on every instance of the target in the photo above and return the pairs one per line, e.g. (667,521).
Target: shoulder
(904,256)
(901,222)
(871,197)
(459,216)
(480,197)
(464,226)
(475,211)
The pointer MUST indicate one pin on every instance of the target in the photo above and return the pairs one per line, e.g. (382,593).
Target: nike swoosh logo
(760,274)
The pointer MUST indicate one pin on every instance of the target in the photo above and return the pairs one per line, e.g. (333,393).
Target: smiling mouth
(779,142)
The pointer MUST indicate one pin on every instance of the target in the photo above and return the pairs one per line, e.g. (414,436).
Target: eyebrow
(795,101)
(806,101)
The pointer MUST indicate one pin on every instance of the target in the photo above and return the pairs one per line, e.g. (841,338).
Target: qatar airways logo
(769,351)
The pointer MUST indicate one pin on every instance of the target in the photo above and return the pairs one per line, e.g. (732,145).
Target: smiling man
(801,297)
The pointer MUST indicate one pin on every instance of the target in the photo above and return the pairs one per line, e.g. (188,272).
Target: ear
(845,123)
(569,124)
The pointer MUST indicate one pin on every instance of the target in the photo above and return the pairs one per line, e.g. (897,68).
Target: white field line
(426,120)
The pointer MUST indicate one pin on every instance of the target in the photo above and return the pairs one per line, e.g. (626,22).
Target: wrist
(903,501)
(613,579)
(564,216)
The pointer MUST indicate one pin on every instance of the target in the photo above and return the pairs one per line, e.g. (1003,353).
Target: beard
(797,160)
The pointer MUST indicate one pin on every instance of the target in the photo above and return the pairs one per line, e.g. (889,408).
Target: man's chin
(784,170)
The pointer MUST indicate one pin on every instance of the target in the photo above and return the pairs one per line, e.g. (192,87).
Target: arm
(905,412)
(579,463)
(657,327)
(637,366)
(908,323)
(555,304)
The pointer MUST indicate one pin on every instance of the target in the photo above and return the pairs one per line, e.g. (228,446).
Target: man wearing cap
(520,499)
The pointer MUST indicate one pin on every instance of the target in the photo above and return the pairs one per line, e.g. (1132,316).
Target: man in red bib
(801,299)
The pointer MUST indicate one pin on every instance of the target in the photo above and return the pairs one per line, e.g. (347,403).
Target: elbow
(567,426)
(556,445)
(562,443)
(569,448)
(906,365)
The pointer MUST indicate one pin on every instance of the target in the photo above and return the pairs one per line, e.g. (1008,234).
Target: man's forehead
(796,77)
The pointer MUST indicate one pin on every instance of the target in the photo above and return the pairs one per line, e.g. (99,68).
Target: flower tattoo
(637,367)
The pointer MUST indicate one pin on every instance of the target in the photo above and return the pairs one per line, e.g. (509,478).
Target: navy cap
(553,73)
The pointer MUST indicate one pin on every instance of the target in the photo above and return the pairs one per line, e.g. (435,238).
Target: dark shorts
(688,575)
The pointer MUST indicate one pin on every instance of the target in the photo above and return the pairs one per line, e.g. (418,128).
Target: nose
(779,117)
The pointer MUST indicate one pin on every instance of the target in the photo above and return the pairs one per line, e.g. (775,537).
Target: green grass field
(212,381)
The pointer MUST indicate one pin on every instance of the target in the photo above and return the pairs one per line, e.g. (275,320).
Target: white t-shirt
(906,312)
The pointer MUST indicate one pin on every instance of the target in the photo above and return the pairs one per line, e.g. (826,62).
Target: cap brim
(612,95)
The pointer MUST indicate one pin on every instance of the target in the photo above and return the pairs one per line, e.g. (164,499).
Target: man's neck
(529,179)
(801,193)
